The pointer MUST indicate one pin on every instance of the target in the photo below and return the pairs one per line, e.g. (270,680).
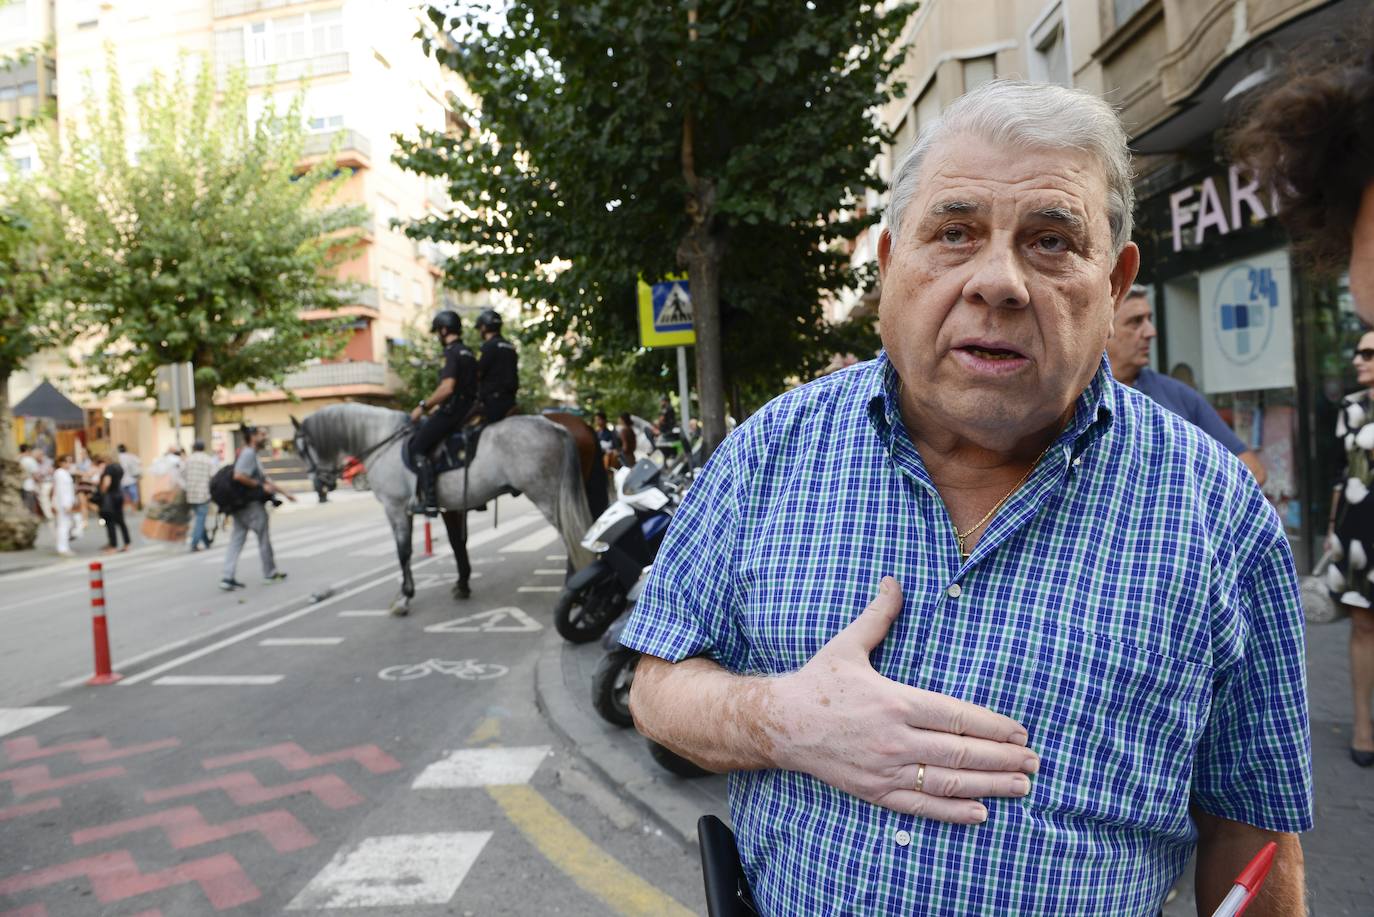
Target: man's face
(998,295)
(1362,258)
(1132,331)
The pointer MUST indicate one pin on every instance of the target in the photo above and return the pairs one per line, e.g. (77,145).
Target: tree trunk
(204,412)
(703,251)
(18,526)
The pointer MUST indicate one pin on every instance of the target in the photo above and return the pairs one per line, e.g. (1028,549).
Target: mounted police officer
(498,371)
(452,404)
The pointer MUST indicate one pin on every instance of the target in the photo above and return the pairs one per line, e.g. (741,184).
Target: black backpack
(227,493)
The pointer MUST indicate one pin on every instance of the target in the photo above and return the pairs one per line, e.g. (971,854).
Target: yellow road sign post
(665,320)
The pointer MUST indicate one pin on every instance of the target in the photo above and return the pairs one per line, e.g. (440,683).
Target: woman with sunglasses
(1350,536)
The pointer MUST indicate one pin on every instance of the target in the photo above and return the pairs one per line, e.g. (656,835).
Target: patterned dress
(1349,578)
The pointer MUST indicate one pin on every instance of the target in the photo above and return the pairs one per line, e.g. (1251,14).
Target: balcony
(325,375)
(321,380)
(354,150)
(290,71)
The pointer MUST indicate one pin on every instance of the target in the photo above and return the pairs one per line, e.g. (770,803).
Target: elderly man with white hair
(1084,659)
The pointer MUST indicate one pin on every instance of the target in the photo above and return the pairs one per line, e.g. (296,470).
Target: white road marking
(13,719)
(497,621)
(188,681)
(550,572)
(370,613)
(536,542)
(490,535)
(254,631)
(301,641)
(478,767)
(394,871)
(333,544)
(540,589)
(555,557)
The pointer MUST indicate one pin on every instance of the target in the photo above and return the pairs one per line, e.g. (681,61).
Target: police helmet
(489,319)
(446,320)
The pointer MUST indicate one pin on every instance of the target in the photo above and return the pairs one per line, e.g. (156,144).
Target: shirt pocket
(1116,726)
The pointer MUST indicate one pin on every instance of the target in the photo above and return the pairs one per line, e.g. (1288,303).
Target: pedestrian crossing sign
(665,313)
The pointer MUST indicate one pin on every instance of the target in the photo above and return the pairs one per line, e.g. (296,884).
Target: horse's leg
(400,529)
(457,525)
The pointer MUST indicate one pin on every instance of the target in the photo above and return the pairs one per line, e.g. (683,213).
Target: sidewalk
(563,687)
(1337,851)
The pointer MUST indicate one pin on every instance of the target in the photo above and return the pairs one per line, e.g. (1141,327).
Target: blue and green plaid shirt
(1134,606)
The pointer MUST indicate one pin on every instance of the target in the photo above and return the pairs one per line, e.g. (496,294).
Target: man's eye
(1053,243)
(953,234)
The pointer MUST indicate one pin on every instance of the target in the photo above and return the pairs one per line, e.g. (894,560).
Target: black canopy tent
(46,402)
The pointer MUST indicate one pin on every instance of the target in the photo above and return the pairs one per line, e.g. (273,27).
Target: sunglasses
(1365,353)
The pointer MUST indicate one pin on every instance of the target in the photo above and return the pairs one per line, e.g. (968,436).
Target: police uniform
(499,376)
(460,366)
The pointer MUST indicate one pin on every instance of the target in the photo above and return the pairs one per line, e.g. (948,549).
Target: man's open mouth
(992,353)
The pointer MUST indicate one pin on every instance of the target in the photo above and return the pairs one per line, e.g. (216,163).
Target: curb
(603,747)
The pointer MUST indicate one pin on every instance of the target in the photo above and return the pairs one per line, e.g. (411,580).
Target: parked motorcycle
(625,539)
(611,683)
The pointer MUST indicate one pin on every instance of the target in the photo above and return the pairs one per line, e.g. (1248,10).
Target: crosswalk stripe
(187,681)
(394,871)
(331,544)
(478,767)
(534,542)
(13,719)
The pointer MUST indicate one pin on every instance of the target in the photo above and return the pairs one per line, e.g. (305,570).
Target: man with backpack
(254,489)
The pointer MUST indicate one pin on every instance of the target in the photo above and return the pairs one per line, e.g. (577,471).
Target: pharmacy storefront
(1268,345)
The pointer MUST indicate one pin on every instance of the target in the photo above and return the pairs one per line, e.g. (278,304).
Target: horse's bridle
(306,450)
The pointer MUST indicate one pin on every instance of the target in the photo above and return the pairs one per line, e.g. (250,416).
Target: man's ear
(1124,273)
(884,252)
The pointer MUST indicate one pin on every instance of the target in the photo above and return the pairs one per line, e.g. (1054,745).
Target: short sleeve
(1253,763)
(688,605)
(1206,417)
(247,463)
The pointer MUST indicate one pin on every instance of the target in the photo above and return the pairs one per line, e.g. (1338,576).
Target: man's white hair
(1031,116)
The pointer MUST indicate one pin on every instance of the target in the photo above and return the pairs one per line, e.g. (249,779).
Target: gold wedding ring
(920,777)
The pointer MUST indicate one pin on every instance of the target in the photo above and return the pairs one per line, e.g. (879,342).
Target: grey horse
(528,453)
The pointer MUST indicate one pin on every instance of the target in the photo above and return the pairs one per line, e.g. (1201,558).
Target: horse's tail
(573,516)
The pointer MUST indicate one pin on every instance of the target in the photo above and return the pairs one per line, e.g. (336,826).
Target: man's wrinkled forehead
(971,176)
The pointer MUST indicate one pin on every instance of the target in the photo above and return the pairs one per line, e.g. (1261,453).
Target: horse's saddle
(453,453)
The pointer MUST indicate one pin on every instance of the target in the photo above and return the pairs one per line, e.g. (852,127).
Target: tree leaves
(574,161)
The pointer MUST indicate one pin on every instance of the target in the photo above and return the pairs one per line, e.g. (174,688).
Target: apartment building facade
(363,78)
(1214,255)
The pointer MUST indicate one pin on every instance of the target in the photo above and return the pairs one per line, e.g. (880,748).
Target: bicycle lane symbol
(465,669)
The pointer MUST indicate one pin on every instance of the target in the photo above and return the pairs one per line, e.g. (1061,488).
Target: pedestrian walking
(133,471)
(257,491)
(200,467)
(64,504)
(628,441)
(1095,594)
(29,485)
(112,498)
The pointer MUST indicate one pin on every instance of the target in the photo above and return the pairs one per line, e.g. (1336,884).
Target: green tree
(208,245)
(31,319)
(623,137)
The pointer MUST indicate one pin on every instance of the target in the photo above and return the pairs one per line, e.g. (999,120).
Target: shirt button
(954,590)
(902,838)
(1078,461)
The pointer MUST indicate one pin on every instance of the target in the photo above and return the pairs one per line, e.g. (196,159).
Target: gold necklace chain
(960,536)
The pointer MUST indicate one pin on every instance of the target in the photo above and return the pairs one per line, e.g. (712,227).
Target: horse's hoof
(400,608)
(461,591)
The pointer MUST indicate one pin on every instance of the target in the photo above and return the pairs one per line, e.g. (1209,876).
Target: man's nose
(998,279)
(1150,331)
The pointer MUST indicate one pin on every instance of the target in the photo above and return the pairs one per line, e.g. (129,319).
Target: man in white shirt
(64,504)
(30,482)
(133,470)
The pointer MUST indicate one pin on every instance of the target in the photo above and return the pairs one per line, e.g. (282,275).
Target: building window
(326,123)
(979,70)
(386,211)
(391,284)
(23,164)
(417,293)
(1049,60)
(1125,9)
(292,38)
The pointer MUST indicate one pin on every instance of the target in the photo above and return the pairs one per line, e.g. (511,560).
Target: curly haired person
(1311,139)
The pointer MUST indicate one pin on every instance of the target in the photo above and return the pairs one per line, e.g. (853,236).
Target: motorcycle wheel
(673,762)
(360,481)
(583,615)
(611,686)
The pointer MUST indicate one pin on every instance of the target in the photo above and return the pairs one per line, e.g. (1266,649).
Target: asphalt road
(269,754)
